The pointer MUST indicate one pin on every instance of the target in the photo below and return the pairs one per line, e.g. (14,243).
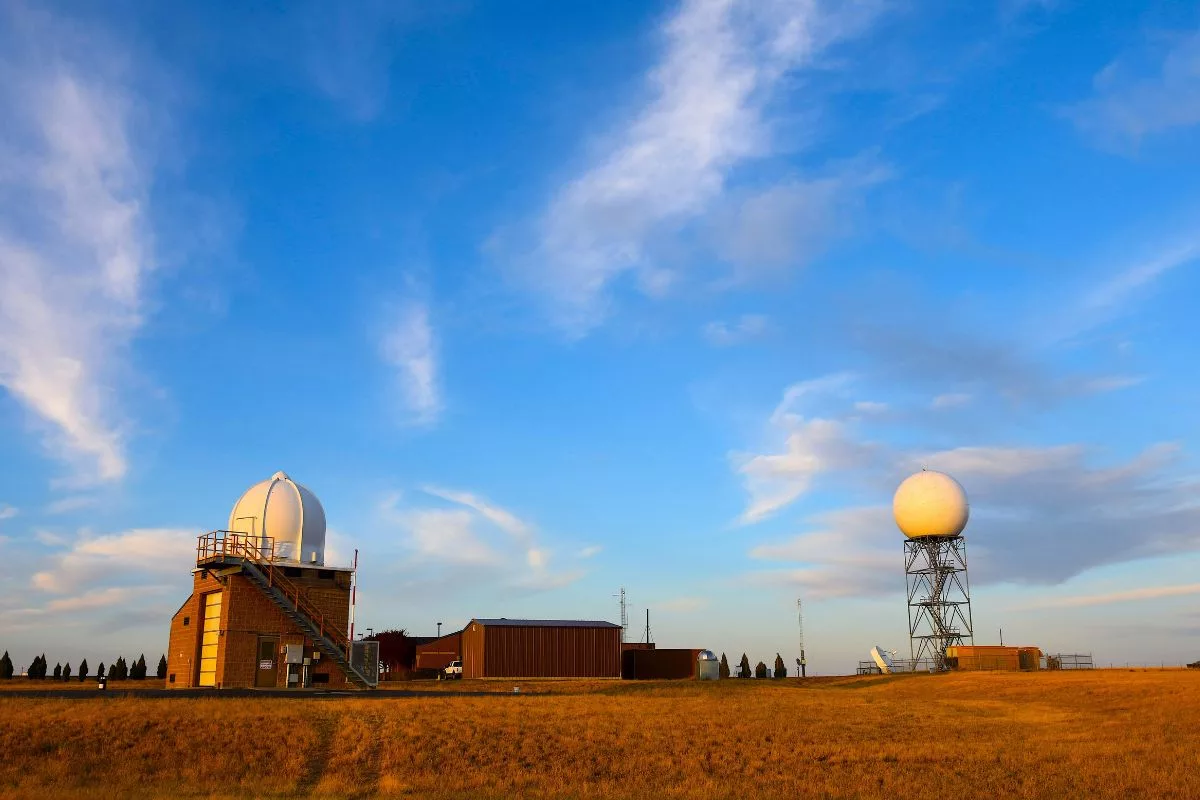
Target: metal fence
(1069,661)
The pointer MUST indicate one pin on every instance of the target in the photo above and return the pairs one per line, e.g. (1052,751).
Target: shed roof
(547,623)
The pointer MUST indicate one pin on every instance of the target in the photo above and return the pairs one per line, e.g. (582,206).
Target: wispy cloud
(7,511)
(130,556)
(476,534)
(75,242)
(722,62)
(590,551)
(744,328)
(1048,500)
(682,605)
(1128,596)
(950,400)
(1142,94)
(411,348)
(501,517)
(811,447)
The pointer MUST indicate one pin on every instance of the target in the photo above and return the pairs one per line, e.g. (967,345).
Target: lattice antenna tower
(931,511)
(802,661)
(647,634)
(624,615)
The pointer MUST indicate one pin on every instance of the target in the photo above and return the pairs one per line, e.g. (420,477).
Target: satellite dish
(882,659)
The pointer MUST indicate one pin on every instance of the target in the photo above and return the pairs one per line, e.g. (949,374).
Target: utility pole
(802,662)
(439,630)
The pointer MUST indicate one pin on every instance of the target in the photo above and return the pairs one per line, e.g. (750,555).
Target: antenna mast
(624,616)
(648,639)
(801,662)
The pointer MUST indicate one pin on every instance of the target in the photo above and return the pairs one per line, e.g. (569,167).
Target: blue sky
(546,299)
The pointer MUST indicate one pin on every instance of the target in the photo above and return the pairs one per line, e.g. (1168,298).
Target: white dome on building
(288,513)
(930,504)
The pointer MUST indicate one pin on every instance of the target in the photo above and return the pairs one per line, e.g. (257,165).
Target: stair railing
(260,550)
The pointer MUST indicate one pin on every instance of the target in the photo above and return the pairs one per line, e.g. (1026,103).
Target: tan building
(265,611)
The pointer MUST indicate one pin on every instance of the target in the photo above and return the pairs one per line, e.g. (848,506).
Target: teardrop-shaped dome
(288,513)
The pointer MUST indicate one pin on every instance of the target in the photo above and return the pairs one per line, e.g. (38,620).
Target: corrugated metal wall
(439,653)
(510,651)
(663,665)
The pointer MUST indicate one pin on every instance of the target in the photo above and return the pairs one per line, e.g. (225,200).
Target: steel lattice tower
(939,596)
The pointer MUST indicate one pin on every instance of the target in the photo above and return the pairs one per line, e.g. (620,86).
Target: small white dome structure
(288,513)
(930,504)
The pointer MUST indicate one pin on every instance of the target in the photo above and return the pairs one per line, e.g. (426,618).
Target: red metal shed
(541,648)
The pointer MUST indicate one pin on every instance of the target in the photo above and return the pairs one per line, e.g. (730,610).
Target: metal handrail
(260,550)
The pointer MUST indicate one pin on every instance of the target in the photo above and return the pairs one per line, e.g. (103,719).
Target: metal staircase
(255,557)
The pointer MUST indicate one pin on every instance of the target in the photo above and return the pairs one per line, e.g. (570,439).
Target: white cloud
(1047,502)
(682,605)
(448,536)
(811,447)
(75,244)
(7,511)
(669,163)
(409,346)
(951,400)
(1130,595)
(65,505)
(502,518)
(477,534)
(590,551)
(746,327)
(1131,101)
(790,223)
(132,554)
(870,407)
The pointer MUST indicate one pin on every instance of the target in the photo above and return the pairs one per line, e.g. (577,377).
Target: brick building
(259,615)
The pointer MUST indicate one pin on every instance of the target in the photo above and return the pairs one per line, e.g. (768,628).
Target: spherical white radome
(288,513)
(930,503)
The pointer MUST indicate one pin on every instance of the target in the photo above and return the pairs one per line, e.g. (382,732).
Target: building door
(209,632)
(268,658)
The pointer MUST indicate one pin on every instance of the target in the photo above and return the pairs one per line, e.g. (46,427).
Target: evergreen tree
(113,670)
(760,670)
(100,670)
(744,667)
(58,672)
(138,671)
(38,668)
(724,666)
(83,670)
(780,669)
(122,669)
(67,671)
(162,666)
(6,667)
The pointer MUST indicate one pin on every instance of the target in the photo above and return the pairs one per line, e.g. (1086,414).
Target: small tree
(58,672)
(67,671)
(760,670)
(138,673)
(100,673)
(122,669)
(83,670)
(162,666)
(780,669)
(744,667)
(724,667)
(6,667)
(38,668)
(114,670)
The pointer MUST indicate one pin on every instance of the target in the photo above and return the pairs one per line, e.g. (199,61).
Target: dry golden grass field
(1102,734)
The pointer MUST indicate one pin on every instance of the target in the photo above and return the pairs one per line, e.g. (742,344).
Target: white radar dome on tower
(930,504)
(286,512)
